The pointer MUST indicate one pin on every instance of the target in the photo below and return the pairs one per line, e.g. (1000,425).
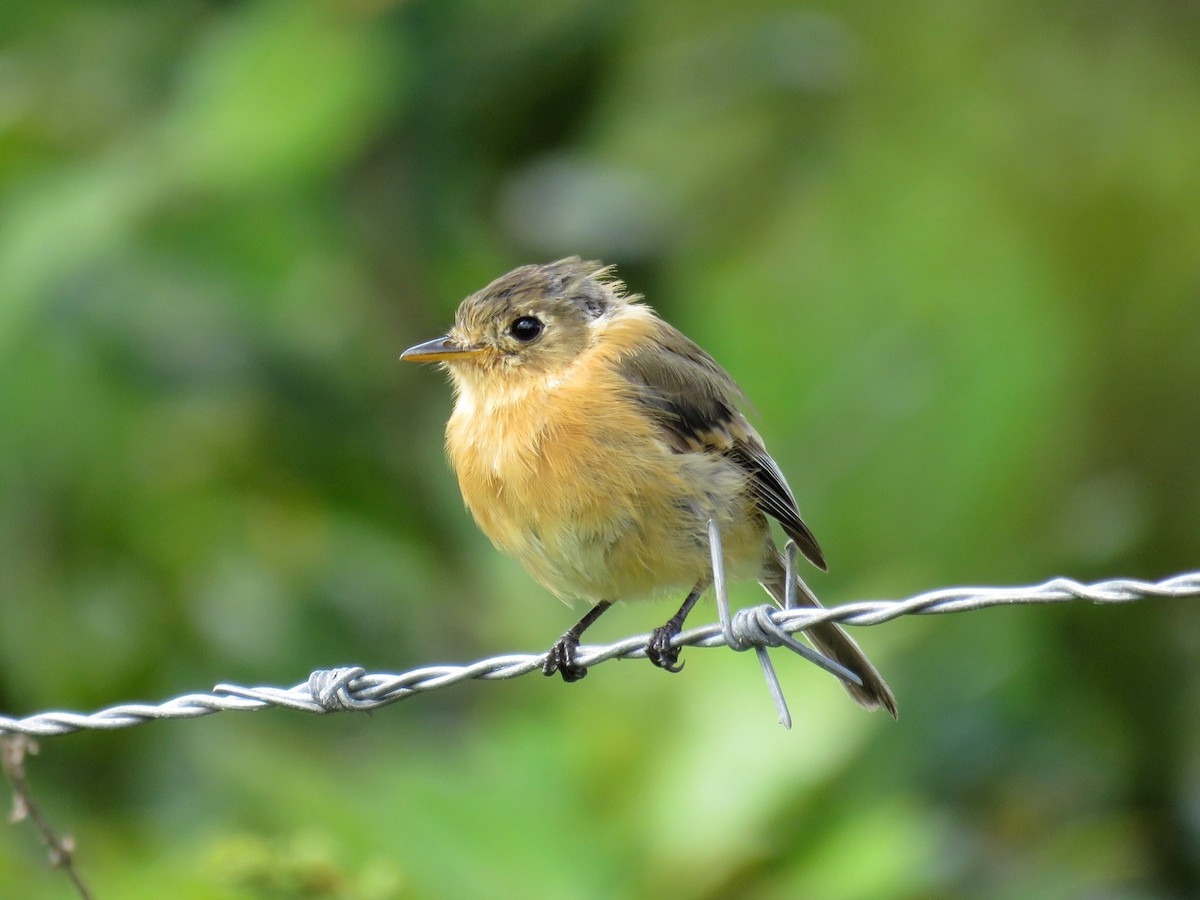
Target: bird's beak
(440,349)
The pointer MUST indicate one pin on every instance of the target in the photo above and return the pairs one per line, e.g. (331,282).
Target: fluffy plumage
(594,442)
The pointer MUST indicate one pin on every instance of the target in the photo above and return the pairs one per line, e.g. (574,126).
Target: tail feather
(833,641)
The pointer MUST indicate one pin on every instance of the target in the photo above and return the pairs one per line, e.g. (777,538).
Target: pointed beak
(441,349)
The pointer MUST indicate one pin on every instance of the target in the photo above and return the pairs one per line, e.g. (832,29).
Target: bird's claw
(659,650)
(561,659)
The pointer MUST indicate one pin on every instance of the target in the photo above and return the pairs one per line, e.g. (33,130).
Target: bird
(595,442)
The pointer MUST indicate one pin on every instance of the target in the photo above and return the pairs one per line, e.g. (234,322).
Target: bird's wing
(697,405)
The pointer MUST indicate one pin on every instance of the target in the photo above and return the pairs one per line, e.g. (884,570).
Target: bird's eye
(526,328)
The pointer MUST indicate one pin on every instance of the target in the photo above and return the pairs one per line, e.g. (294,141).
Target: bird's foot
(659,650)
(561,659)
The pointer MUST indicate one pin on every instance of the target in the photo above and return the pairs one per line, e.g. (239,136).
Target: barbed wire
(352,688)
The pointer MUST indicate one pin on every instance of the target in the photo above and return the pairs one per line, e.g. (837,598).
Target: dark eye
(526,328)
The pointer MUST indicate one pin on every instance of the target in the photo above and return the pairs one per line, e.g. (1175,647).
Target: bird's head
(532,323)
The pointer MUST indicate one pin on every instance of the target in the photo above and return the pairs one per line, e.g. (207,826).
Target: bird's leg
(561,657)
(658,649)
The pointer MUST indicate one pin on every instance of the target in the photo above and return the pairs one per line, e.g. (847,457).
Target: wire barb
(354,689)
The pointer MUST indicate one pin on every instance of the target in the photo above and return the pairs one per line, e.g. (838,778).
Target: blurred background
(951,253)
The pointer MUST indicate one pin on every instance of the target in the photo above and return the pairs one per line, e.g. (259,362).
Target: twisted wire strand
(355,689)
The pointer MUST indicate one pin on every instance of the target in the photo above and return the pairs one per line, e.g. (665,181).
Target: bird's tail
(831,640)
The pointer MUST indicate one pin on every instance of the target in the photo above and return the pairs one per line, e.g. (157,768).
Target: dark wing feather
(775,498)
(697,404)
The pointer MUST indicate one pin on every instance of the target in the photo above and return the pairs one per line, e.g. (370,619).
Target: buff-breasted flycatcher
(594,442)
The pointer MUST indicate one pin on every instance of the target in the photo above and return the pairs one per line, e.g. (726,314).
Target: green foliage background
(951,252)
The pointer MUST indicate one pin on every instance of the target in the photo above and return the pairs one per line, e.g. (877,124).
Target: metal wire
(353,688)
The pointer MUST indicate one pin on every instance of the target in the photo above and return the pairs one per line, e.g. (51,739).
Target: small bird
(595,442)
